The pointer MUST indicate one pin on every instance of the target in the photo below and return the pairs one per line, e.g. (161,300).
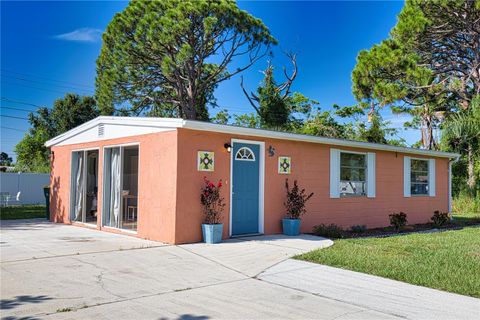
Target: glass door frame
(104,183)
(84,179)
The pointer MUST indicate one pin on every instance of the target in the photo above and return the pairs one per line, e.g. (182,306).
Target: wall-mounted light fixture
(228,147)
(271,151)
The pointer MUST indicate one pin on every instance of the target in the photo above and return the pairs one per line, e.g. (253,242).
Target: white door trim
(121,146)
(72,183)
(261,181)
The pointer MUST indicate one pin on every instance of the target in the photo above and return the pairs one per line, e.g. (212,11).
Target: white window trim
(335,172)
(406,176)
(431,177)
(245,159)
(371,170)
(407,183)
(450,186)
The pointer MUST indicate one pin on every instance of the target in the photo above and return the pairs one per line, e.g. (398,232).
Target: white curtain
(79,187)
(115,188)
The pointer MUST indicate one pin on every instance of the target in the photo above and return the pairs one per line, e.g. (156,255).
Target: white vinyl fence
(30,186)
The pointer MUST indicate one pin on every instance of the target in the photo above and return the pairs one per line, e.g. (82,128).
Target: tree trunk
(190,113)
(189,110)
(471,172)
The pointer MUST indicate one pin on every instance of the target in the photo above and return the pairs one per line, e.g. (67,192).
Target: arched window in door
(245,154)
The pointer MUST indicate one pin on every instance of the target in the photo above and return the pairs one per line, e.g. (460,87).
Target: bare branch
(248,96)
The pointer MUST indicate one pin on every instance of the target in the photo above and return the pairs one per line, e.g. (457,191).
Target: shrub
(212,201)
(328,231)
(358,228)
(398,220)
(296,200)
(440,218)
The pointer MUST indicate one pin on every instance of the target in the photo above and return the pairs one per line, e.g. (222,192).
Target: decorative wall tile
(206,161)
(284,165)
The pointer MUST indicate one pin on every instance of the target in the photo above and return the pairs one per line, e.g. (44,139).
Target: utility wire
(41,82)
(9,128)
(21,102)
(18,109)
(49,79)
(33,87)
(14,117)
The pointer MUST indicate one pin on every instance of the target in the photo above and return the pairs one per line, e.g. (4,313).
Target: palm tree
(462,132)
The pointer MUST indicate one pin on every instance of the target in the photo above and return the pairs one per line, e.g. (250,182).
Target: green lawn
(448,260)
(22,212)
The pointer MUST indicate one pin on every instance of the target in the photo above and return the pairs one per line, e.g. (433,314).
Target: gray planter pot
(212,233)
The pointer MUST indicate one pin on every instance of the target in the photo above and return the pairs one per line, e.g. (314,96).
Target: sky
(50,48)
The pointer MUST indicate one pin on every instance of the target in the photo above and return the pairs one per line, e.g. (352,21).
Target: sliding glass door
(78,186)
(120,205)
(84,182)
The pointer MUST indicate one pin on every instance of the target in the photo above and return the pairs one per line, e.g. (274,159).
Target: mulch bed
(415,228)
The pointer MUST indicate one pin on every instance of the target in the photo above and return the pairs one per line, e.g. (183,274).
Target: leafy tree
(222,117)
(32,155)
(5,160)
(273,109)
(67,113)
(276,106)
(322,124)
(461,133)
(300,108)
(378,131)
(444,35)
(389,75)
(249,120)
(169,55)
(429,64)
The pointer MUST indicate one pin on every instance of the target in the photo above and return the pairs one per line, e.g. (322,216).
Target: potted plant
(295,205)
(213,205)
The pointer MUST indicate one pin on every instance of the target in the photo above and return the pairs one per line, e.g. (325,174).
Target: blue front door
(245,188)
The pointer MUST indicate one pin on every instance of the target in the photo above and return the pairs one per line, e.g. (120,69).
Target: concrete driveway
(51,271)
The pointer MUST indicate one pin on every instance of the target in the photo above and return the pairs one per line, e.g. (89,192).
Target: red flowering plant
(213,203)
(296,200)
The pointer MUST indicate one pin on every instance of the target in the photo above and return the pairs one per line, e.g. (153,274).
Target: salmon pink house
(143,176)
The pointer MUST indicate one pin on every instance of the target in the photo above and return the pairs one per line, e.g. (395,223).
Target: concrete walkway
(51,271)
(374,293)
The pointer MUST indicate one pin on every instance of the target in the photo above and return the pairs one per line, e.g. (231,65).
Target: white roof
(117,127)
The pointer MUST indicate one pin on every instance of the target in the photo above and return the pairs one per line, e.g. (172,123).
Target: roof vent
(101,130)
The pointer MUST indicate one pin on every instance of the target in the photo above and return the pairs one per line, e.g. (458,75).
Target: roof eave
(150,121)
(207,126)
(198,125)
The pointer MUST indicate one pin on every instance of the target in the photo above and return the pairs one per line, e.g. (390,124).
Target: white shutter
(371,167)
(334,173)
(450,187)
(406,176)
(431,177)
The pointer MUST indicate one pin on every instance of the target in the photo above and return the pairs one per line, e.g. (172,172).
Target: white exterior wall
(30,184)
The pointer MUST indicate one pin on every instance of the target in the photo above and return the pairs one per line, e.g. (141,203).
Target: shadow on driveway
(187,317)
(7,304)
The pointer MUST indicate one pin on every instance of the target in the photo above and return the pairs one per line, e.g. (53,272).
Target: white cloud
(397,121)
(81,35)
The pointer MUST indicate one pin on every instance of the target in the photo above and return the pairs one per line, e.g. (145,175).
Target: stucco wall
(156,183)
(169,207)
(311,167)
